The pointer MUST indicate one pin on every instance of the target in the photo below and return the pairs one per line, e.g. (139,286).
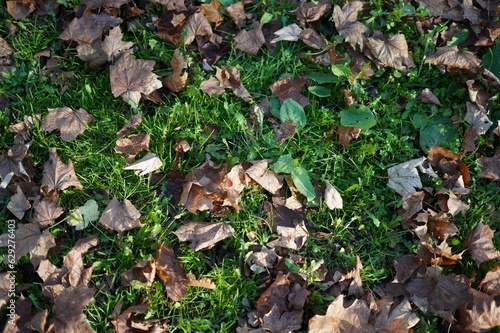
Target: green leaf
(323,77)
(266,18)
(284,164)
(458,38)
(438,131)
(319,91)
(492,59)
(341,70)
(291,110)
(303,183)
(82,216)
(274,107)
(358,116)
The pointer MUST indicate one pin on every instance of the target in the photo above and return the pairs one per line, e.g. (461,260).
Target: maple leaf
(390,318)
(211,12)
(92,54)
(143,272)
(197,25)
(57,175)
(113,46)
(481,314)
(22,128)
(134,121)
(237,12)
(46,211)
(404,178)
(250,41)
(448,10)
(312,39)
(11,164)
(451,57)
(147,164)
(71,123)
(132,145)
(490,166)
(171,273)
(277,321)
(176,81)
(287,88)
(203,235)
(18,204)
(68,310)
(83,30)
(120,217)
(332,197)
(289,33)
(438,254)
(480,244)
(491,281)
(311,11)
(391,52)
(132,77)
(345,20)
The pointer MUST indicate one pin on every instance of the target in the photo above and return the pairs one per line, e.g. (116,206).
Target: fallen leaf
(204,235)
(46,211)
(69,122)
(284,131)
(113,45)
(93,54)
(229,77)
(172,4)
(212,86)
(266,178)
(197,25)
(6,279)
(429,97)
(332,197)
(287,88)
(237,12)
(97,4)
(491,282)
(84,215)
(147,164)
(176,81)
(312,39)
(83,30)
(289,33)
(143,272)
(477,117)
(250,41)
(346,22)
(57,175)
(211,12)
(234,183)
(201,283)
(290,237)
(134,121)
(391,52)
(347,133)
(68,310)
(490,166)
(22,128)
(451,57)
(171,273)
(18,204)
(276,321)
(311,11)
(20,9)
(263,260)
(130,78)
(132,145)
(480,244)
(12,163)
(127,321)
(404,177)
(438,254)
(120,217)
(391,318)
(405,267)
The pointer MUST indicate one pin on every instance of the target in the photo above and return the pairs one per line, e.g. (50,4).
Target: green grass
(368,226)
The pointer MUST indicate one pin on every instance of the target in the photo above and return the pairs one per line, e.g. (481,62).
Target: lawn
(267,166)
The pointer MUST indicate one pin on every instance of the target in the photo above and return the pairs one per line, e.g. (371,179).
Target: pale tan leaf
(120,217)
(113,46)
(237,12)
(201,283)
(69,122)
(147,164)
(266,178)
(289,33)
(18,204)
(404,177)
(57,175)
(332,197)
(450,56)
(204,235)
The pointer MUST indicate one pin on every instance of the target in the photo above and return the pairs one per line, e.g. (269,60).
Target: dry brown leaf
(276,321)
(176,81)
(197,25)
(343,318)
(312,39)
(429,97)
(68,310)
(346,134)
(438,254)
(113,46)
(20,9)
(201,283)
(287,88)
(212,12)
(57,175)
(229,77)
(481,314)
(250,41)
(477,117)
(46,211)
(346,22)
(284,130)
(132,145)
(448,10)
(171,273)
(15,163)
(480,244)
(405,267)
(289,33)
(451,57)
(212,86)
(97,4)
(490,167)
(263,260)
(234,183)
(127,321)
(491,282)
(22,128)
(172,4)
(83,30)
(311,11)
(290,237)
(143,272)
(266,178)
(93,54)
(147,164)
(69,122)
(6,279)
(391,52)
(130,78)
(18,204)
(203,235)
(120,217)
(134,121)
(237,12)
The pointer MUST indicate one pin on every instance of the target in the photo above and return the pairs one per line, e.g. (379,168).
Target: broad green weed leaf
(303,183)
(274,106)
(82,216)
(266,18)
(284,164)
(321,78)
(358,116)
(438,131)
(341,70)
(291,110)
(492,59)
(319,91)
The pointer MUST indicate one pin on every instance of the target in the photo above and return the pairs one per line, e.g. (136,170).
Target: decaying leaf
(404,178)
(12,163)
(18,204)
(451,57)
(311,11)
(170,271)
(134,121)
(480,244)
(46,211)
(20,9)
(347,133)
(490,167)
(143,272)
(113,45)
(287,88)
(84,215)
(57,175)
(289,33)
(83,30)
(69,122)
(132,77)
(229,77)
(197,25)
(391,52)
(250,41)
(147,164)
(204,235)
(176,81)
(332,197)
(237,13)
(346,22)
(132,145)
(429,97)
(68,310)
(120,217)
(127,321)
(491,282)
(211,12)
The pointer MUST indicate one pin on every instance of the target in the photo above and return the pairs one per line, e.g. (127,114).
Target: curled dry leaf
(429,97)
(132,145)
(404,178)
(211,12)
(143,272)
(250,41)
(287,88)
(312,39)
(134,121)
(147,164)
(127,321)
(176,81)
(480,244)
(391,52)
(451,57)
(204,235)
(18,204)
(346,22)
(13,163)
(171,273)
(237,13)
(130,78)
(332,197)
(57,175)
(69,122)
(197,25)
(120,217)
(490,167)
(290,237)
(229,77)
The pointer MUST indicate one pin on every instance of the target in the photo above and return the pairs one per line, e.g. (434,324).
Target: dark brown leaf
(490,167)
(203,235)
(172,4)
(346,22)
(69,122)
(132,145)
(126,321)
(93,54)
(57,175)
(197,25)
(134,121)
(287,88)
(229,77)
(284,131)
(346,134)
(250,41)
(120,217)
(68,310)
(312,39)
(429,97)
(20,9)
(311,11)
(143,272)
(480,244)
(171,273)
(491,282)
